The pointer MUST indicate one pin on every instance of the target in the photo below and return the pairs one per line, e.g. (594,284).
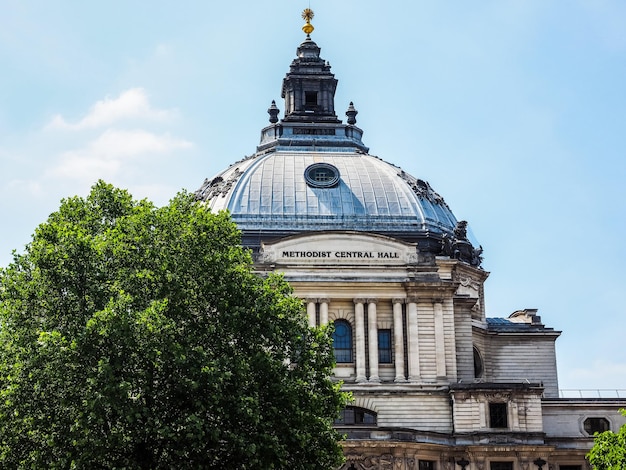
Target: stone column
(440,338)
(398,339)
(359,324)
(372,327)
(323,311)
(413,340)
(310,311)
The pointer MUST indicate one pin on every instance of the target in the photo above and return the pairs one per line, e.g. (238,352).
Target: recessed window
(321,175)
(342,341)
(501,465)
(426,465)
(478,364)
(310,100)
(384,346)
(594,425)
(354,416)
(570,467)
(498,415)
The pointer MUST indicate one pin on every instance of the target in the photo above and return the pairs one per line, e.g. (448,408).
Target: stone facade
(366,246)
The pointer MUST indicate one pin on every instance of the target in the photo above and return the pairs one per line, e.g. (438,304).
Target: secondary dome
(311,172)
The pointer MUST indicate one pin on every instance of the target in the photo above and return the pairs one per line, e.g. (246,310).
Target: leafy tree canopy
(609,450)
(136,337)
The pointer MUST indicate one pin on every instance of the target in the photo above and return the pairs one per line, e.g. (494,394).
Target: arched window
(478,364)
(342,341)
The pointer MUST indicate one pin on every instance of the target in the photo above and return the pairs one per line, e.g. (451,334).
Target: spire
(307,15)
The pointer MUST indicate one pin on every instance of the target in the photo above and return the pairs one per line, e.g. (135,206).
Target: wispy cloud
(131,104)
(105,156)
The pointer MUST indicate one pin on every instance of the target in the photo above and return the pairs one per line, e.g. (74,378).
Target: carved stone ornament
(466,281)
(459,247)
(477,308)
(423,189)
(266,256)
(383,462)
(353,462)
(217,186)
(498,396)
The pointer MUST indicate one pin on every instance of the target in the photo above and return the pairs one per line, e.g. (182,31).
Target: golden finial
(307,15)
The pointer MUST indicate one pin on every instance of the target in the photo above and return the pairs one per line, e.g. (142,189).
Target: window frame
(357,416)
(426,464)
(347,343)
(311,100)
(501,465)
(385,351)
(593,429)
(498,415)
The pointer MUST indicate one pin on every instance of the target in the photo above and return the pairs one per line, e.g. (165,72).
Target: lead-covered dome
(295,191)
(311,172)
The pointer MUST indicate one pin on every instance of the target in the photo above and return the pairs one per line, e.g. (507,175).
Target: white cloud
(131,104)
(105,156)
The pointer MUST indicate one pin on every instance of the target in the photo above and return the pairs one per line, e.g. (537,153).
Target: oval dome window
(321,175)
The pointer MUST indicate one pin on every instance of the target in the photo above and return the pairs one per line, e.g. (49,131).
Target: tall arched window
(342,341)
(478,364)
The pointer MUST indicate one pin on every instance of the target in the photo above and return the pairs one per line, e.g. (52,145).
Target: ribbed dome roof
(270,193)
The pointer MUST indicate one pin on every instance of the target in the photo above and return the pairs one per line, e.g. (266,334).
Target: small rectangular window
(570,467)
(353,416)
(501,465)
(310,98)
(384,346)
(426,465)
(498,415)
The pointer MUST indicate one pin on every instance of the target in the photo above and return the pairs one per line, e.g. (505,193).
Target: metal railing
(593,393)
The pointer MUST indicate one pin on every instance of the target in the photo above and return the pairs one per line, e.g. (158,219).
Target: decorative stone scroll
(466,281)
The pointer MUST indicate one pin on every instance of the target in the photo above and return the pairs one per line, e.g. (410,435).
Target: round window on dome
(321,175)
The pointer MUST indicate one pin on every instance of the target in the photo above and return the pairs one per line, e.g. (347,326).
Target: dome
(311,173)
(271,193)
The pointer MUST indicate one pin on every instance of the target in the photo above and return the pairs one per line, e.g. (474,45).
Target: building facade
(436,383)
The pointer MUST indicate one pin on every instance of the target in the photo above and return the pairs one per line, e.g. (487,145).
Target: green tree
(609,450)
(136,337)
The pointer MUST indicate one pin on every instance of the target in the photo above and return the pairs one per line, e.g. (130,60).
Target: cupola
(309,86)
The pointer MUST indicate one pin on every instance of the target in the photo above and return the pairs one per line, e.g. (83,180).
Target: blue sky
(513,110)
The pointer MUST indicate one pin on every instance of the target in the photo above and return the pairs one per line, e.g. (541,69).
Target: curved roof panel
(270,192)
